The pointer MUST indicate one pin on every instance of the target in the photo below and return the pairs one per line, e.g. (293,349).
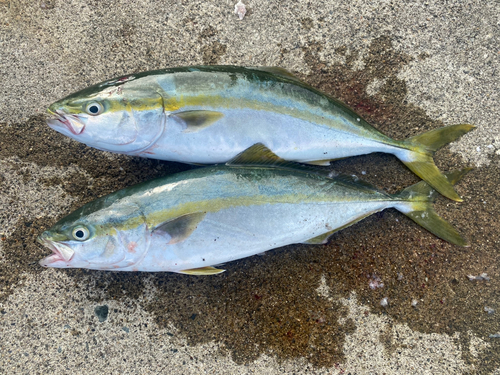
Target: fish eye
(80,233)
(94,108)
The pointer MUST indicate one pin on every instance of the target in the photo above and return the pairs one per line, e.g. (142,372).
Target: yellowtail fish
(191,221)
(209,114)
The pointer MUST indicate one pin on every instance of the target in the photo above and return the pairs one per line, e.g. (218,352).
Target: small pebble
(101,312)
(375,283)
(240,10)
(384,302)
(484,276)
(414,303)
(489,310)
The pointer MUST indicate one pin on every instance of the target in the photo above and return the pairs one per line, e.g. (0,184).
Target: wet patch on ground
(22,254)
(213,52)
(269,304)
(429,270)
(257,306)
(413,265)
(35,142)
(212,49)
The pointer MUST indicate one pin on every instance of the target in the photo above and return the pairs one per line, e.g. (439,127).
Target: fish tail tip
(443,183)
(425,216)
(433,140)
(419,198)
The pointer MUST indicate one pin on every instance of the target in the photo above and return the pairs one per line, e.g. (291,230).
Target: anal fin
(321,239)
(322,163)
(202,271)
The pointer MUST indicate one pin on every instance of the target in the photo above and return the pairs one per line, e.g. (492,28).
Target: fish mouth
(63,120)
(60,252)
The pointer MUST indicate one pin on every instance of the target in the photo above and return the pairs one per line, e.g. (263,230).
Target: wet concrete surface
(302,309)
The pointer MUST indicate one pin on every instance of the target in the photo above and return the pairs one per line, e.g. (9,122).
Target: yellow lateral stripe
(162,216)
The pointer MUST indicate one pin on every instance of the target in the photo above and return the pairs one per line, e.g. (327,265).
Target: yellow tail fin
(424,146)
(418,207)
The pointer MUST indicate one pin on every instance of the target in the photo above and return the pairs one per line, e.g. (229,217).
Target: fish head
(72,246)
(110,239)
(112,116)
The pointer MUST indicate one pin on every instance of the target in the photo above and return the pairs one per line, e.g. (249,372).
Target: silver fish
(191,221)
(209,114)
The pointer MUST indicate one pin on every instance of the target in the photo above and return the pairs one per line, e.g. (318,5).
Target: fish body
(209,114)
(193,220)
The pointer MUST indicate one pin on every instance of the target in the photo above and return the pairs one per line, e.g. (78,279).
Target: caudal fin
(417,206)
(422,164)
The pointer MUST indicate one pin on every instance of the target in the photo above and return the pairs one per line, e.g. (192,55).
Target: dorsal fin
(259,155)
(276,71)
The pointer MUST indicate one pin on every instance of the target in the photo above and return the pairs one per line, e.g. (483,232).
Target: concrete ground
(406,66)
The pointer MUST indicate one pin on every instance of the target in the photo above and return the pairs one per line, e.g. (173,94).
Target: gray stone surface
(405,66)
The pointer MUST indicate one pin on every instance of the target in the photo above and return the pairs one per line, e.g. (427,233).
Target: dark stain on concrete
(35,142)
(22,254)
(257,307)
(433,271)
(213,52)
(208,32)
(269,304)
(307,23)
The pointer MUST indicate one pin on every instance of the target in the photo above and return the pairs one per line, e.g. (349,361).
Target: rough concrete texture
(407,67)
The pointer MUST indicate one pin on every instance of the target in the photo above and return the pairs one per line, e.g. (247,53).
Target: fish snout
(64,121)
(60,251)
(42,238)
(53,108)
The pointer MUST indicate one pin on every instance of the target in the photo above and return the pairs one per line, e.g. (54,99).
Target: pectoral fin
(179,229)
(197,120)
(202,271)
